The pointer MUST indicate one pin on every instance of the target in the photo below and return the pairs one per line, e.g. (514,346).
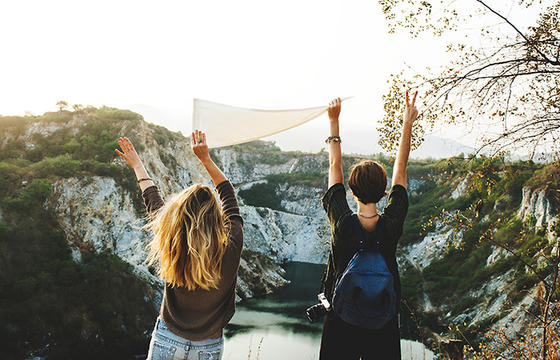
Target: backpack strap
(358,230)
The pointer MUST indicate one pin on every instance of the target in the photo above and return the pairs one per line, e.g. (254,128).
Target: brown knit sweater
(199,314)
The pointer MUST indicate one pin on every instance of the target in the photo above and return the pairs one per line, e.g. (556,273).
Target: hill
(72,268)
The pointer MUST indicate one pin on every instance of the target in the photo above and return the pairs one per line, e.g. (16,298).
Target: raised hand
(334,109)
(199,146)
(410,111)
(129,154)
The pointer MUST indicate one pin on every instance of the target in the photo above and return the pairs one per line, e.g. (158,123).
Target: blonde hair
(190,239)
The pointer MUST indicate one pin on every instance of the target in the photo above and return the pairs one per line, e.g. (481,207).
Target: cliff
(61,167)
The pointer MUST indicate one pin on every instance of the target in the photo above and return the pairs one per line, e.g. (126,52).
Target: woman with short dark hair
(367,181)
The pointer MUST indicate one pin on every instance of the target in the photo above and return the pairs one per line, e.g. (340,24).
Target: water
(275,327)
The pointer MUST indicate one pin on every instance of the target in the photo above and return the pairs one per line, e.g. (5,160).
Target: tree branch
(520,33)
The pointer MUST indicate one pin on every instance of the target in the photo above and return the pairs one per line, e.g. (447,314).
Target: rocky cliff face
(101,213)
(537,206)
(490,302)
(97,213)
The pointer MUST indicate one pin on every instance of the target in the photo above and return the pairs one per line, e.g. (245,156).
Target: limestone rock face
(96,212)
(258,275)
(242,167)
(536,204)
(97,215)
(460,189)
(432,247)
(286,237)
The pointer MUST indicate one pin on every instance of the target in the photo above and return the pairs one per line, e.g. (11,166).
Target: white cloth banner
(229,125)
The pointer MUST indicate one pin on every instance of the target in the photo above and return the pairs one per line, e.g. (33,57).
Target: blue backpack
(364,295)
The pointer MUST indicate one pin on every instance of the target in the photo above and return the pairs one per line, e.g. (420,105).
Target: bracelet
(333,138)
(144,179)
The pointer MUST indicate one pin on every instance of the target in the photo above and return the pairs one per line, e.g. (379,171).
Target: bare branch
(520,33)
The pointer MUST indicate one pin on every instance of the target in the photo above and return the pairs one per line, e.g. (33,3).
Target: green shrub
(62,165)
(13,149)
(10,177)
(509,233)
(263,195)
(464,305)
(4,230)
(460,270)
(547,175)
(72,146)
(411,284)
(36,193)
(90,310)
(315,178)
(100,168)
(57,117)
(162,135)
(110,113)
(16,124)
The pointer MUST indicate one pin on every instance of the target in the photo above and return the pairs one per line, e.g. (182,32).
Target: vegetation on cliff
(483,219)
(52,305)
(59,308)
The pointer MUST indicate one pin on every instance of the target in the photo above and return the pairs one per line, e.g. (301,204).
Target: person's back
(197,247)
(368,181)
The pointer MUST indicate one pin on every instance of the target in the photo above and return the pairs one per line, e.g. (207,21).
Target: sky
(155,57)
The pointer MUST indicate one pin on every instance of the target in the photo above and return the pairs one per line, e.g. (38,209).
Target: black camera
(316,312)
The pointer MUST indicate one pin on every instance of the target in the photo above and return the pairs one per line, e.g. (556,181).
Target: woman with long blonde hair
(197,246)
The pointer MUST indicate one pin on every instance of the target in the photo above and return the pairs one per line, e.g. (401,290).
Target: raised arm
(399,170)
(200,149)
(131,157)
(335,154)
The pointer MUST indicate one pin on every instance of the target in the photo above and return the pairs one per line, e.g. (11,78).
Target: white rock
(460,189)
(432,247)
(535,203)
(497,252)
(286,237)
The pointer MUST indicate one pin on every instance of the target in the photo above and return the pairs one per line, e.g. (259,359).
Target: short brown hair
(368,181)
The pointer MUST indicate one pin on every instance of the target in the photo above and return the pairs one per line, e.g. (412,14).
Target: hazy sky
(155,57)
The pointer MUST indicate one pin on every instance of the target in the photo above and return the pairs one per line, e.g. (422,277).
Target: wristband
(144,179)
(333,138)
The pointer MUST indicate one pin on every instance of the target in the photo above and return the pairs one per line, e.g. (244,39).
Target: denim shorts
(165,345)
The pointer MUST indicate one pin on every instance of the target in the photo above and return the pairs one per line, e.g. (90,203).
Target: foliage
(262,194)
(93,309)
(483,218)
(411,278)
(86,149)
(62,165)
(267,194)
(36,193)
(16,124)
(314,179)
(528,247)
(62,105)
(257,146)
(510,79)
(500,344)
(10,176)
(162,135)
(548,178)
(462,269)
(266,152)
